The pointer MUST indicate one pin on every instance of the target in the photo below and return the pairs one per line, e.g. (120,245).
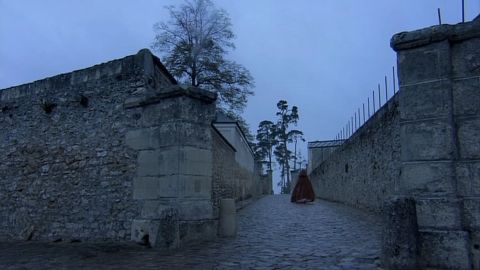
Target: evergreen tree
(265,142)
(285,118)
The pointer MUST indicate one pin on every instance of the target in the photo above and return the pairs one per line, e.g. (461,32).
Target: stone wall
(318,151)
(65,171)
(230,179)
(363,170)
(423,146)
(117,151)
(439,76)
(223,160)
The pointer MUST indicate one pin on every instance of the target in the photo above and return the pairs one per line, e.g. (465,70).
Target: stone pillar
(228,218)
(174,170)
(438,70)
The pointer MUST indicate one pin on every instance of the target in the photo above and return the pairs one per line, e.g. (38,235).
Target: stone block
(427,63)
(160,233)
(152,209)
(426,140)
(444,249)
(471,213)
(158,162)
(168,110)
(195,161)
(475,249)
(468,136)
(434,178)
(426,100)
(194,134)
(195,186)
(468,178)
(148,188)
(438,213)
(197,231)
(195,209)
(466,96)
(400,235)
(178,109)
(197,111)
(227,220)
(145,231)
(145,188)
(465,58)
(141,139)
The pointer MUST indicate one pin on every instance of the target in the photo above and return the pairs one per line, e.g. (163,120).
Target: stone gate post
(174,175)
(439,71)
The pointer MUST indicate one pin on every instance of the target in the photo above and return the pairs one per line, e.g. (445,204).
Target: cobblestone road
(273,234)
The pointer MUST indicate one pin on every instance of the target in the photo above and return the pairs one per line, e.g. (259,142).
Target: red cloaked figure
(303,191)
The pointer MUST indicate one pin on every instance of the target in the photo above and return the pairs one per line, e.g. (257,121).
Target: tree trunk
(287,165)
(295,157)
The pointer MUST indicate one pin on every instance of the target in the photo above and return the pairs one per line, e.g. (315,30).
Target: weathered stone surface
(86,153)
(144,139)
(150,188)
(400,236)
(466,96)
(195,209)
(153,209)
(364,171)
(468,178)
(419,38)
(429,63)
(439,131)
(425,100)
(195,161)
(161,233)
(227,221)
(426,140)
(444,249)
(198,231)
(196,186)
(468,132)
(67,171)
(475,248)
(471,213)
(466,59)
(438,213)
(159,162)
(434,178)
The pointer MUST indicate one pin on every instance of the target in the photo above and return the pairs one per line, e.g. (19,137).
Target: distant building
(318,151)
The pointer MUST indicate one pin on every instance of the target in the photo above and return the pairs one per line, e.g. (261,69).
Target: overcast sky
(324,56)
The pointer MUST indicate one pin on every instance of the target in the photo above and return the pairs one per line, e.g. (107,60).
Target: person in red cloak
(303,191)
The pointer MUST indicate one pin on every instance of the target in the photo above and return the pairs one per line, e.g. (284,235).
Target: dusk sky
(324,56)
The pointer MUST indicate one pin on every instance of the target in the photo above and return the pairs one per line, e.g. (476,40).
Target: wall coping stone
(418,38)
(153,97)
(144,60)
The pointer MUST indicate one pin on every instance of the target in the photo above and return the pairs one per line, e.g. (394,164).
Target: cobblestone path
(273,234)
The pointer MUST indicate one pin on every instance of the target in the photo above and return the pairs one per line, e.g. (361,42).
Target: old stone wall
(65,171)
(422,147)
(439,76)
(362,171)
(230,179)
(223,180)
